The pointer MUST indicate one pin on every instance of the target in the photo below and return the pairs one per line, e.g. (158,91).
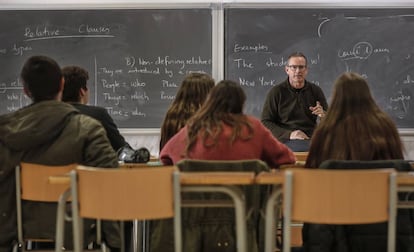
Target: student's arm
(275,153)
(114,136)
(173,150)
(97,150)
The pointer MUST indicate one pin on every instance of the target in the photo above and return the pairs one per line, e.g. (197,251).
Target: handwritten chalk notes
(375,43)
(136,58)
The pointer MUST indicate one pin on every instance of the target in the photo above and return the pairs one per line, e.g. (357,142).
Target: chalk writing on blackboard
(373,42)
(136,58)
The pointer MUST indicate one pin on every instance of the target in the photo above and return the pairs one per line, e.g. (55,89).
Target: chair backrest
(125,194)
(146,193)
(35,184)
(340,197)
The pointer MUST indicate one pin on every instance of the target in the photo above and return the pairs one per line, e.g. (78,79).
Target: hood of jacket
(35,124)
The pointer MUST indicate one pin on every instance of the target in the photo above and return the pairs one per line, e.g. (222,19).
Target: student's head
(354,127)
(76,79)
(190,96)
(224,105)
(351,93)
(193,90)
(42,79)
(297,69)
(226,97)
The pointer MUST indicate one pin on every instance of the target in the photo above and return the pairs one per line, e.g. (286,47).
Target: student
(355,128)
(48,132)
(220,130)
(292,107)
(76,93)
(191,94)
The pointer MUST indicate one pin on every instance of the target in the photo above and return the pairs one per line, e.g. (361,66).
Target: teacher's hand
(317,110)
(298,134)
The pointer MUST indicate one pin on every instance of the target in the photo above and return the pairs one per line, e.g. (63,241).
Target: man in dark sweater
(76,93)
(292,107)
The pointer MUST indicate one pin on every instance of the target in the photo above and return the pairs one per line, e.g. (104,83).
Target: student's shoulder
(253,120)
(99,113)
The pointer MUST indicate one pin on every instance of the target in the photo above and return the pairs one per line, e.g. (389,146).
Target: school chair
(33,184)
(342,197)
(225,184)
(146,193)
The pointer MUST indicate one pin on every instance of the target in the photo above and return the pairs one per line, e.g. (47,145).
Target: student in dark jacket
(76,93)
(355,128)
(48,132)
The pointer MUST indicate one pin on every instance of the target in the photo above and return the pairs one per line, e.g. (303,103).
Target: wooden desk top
(277,177)
(405,179)
(217,178)
(273,177)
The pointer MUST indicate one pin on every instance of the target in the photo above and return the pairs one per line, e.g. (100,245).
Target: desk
(405,183)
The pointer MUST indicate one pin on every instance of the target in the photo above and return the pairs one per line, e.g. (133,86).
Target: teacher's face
(297,70)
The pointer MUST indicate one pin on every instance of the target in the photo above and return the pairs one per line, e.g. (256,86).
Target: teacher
(291,108)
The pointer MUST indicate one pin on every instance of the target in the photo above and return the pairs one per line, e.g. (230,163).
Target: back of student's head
(226,97)
(351,93)
(41,77)
(224,105)
(193,90)
(76,78)
(190,96)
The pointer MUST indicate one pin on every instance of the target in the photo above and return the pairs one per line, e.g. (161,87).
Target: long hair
(354,128)
(224,105)
(191,94)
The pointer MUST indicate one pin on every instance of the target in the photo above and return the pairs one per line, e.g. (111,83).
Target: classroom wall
(149,138)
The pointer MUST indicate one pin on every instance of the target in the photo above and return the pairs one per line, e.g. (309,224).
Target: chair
(340,197)
(242,192)
(32,184)
(130,196)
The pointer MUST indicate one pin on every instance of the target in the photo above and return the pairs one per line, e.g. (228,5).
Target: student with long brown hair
(355,128)
(191,94)
(220,130)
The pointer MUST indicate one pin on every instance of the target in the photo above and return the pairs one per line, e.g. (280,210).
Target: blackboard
(377,43)
(136,58)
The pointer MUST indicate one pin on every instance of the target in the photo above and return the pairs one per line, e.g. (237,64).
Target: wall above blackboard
(136,58)
(378,43)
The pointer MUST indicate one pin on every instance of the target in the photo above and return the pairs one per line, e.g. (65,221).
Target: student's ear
(82,92)
(62,84)
(26,91)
